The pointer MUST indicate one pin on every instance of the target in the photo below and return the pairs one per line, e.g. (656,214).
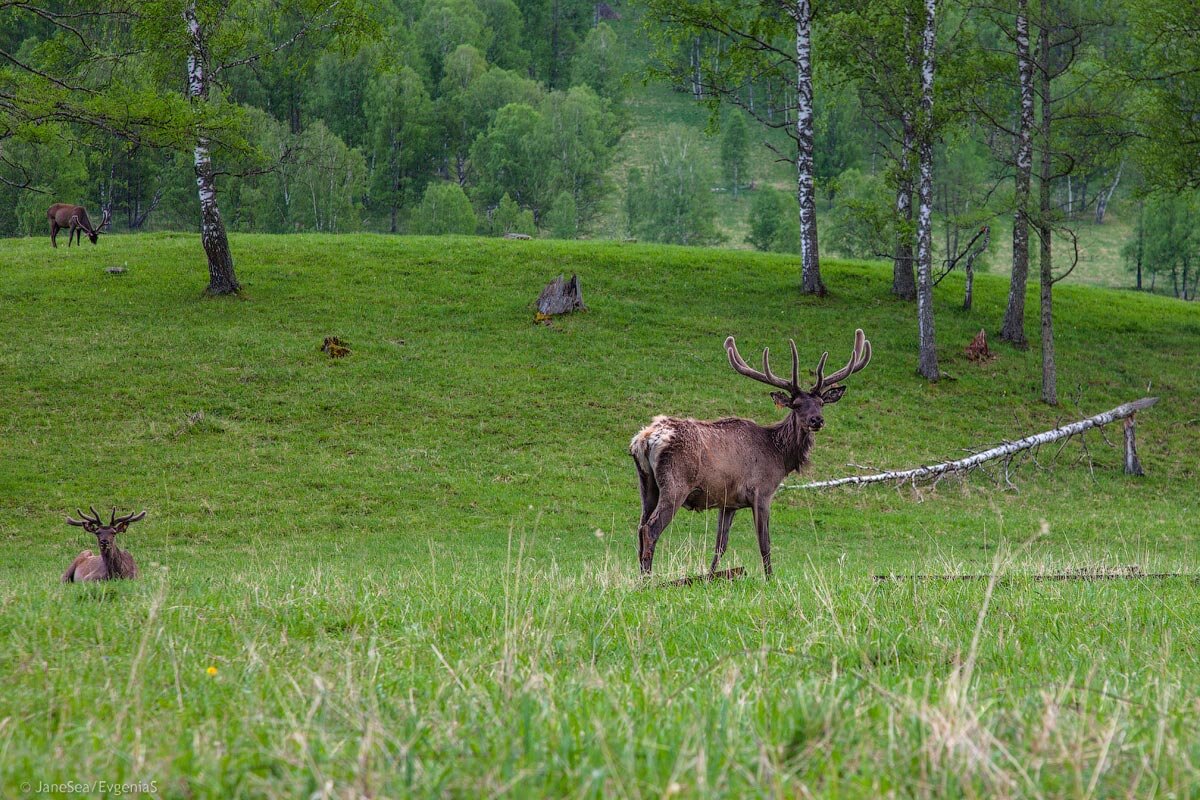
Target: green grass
(414,572)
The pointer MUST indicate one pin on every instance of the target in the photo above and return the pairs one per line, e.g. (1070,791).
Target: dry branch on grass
(708,577)
(1004,451)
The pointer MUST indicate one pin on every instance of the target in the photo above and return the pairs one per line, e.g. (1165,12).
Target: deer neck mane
(114,561)
(792,440)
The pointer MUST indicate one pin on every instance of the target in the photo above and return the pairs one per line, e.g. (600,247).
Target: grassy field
(411,572)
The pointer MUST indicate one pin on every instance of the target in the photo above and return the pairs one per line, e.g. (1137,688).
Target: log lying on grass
(1006,450)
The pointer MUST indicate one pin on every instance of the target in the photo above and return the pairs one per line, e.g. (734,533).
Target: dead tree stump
(1132,465)
(559,297)
(977,350)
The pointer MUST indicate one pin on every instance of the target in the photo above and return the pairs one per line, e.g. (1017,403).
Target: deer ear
(833,394)
(780,399)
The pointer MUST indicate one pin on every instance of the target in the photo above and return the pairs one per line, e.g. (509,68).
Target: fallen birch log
(1008,449)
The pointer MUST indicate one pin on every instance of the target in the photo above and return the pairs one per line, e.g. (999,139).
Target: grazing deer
(112,562)
(733,463)
(75,220)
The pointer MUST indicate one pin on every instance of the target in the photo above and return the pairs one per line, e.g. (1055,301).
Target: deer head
(94,233)
(805,404)
(106,535)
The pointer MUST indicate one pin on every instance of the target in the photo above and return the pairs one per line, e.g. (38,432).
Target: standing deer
(733,463)
(112,562)
(75,220)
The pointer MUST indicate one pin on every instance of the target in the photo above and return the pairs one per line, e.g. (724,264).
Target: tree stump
(1132,465)
(559,297)
(977,350)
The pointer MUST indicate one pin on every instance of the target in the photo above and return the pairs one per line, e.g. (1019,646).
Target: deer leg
(649,492)
(762,526)
(669,501)
(53,234)
(724,520)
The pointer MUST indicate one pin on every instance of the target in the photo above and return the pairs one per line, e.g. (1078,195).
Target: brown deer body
(112,563)
(75,220)
(732,463)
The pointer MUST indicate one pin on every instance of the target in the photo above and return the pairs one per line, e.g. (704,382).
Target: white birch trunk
(1000,451)
(221,279)
(927,364)
(1013,328)
(810,268)
(1102,203)
(1045,230)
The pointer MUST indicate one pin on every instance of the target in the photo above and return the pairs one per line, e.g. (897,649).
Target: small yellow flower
(212,671)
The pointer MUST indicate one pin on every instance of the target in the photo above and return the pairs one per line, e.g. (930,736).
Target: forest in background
(576,119)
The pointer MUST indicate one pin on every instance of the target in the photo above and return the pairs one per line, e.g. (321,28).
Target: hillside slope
(442,523)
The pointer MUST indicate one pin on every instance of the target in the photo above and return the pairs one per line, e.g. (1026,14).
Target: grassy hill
(412,570)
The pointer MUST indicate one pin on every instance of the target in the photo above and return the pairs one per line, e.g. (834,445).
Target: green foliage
(774,221)
(511,157)
(444,209)
(509,217)
(533,154)
(329,181)
(1168,238)
(562,219)
(445,26)
(735,145)
(674,203)
(862,223)
(400,121)
(602,63)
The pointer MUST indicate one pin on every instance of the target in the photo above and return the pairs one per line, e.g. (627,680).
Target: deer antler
(859,358)
(127,519)
(85,520)
(766,376)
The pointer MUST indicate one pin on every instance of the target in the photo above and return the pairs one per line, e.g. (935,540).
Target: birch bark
(1013,328)
(221,278)
(1045,231)
(810,268)
(927,363)
(903,283)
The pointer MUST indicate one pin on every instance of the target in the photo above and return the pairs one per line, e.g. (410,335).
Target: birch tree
(927,361)
(878,45)
(1013,328)
(214,39)
(745,46)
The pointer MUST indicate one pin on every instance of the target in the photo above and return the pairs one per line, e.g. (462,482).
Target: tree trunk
(1141,239)
(810,268)
(1006,450)
(1049,371)
(927,363)
(904,283)
(1104,197)
(221,279)
(1133,466)
(1013,328)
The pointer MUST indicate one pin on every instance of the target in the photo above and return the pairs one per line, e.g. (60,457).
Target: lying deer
(733,463)
(75,220)
(112,562)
